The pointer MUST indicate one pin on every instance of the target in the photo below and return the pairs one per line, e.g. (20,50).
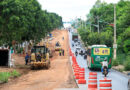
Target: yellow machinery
(39,57)
(57,46)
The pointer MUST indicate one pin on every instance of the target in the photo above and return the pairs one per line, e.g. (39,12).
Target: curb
(120,73)
(73,72)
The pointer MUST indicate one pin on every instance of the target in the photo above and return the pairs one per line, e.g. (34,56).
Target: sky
(70,9)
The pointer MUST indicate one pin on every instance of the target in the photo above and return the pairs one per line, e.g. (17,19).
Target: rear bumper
(99,66)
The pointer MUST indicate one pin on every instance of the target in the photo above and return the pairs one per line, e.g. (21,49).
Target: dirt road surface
(58,76)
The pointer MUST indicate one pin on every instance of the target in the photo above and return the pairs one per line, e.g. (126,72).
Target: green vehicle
(75,37)
(96,54)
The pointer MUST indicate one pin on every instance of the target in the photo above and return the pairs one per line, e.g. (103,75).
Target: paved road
(119,80)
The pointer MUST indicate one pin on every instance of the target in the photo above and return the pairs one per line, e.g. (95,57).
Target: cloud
(70,9)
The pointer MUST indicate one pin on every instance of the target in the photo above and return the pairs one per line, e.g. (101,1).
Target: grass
(15,73)
(4,76)
(121,58)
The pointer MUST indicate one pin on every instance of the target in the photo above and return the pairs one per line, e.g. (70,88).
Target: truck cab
(75,37)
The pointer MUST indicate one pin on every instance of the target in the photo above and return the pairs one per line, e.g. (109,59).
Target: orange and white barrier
(105,84)
(92,82)
(81,81)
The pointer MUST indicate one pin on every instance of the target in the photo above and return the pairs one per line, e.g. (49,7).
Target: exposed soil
(58,76)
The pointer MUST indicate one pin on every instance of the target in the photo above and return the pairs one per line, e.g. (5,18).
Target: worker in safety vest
(60,51)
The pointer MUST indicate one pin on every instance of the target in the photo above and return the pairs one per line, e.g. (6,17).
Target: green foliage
(104,14)
(19,50)
(96,38)
(93,38)
(24,20)
(121,70)
(4,76)
(127,63)
(14,73)
(121,58)
(115,62)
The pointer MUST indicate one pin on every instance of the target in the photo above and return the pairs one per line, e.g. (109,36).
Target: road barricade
(82,69)
(92,76)
(70,52)
(105,84)
(92,82)
(81,81)
(81,76)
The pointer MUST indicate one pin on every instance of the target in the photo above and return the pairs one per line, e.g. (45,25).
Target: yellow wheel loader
(39,57)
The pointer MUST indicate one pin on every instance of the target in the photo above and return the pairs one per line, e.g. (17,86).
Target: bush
(115,63)
(121,58)
(121,70)
(127,63)
(15,73)
(4,76)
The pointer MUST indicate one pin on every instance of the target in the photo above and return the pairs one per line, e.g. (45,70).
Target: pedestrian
(26,59)
(63,52)
(62,38)
(60,52)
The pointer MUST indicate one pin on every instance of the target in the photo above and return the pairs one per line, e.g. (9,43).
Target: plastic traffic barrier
(92,76)
(82,69)
(93,73)
(92,89)
(92,84)
(81,76)
(105,84)
(81,72)
(81,81)
(76,76)
(76,73)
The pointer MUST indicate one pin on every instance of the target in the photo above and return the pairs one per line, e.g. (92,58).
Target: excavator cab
(39,57)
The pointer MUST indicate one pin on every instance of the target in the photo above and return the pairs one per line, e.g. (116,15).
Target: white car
(78,48)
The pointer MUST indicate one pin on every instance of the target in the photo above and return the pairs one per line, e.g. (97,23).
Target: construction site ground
(58,76)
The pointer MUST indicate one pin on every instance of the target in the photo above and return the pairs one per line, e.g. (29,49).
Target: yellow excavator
(39,57)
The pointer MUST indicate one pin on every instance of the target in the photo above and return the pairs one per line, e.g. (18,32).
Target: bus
(96,54)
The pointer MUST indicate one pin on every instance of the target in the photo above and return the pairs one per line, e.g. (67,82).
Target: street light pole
(114,45)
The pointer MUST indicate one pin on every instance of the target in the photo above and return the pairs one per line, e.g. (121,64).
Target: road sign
(114,45)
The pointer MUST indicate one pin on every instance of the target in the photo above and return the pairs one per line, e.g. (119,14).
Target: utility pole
(114,45)
(98,24)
